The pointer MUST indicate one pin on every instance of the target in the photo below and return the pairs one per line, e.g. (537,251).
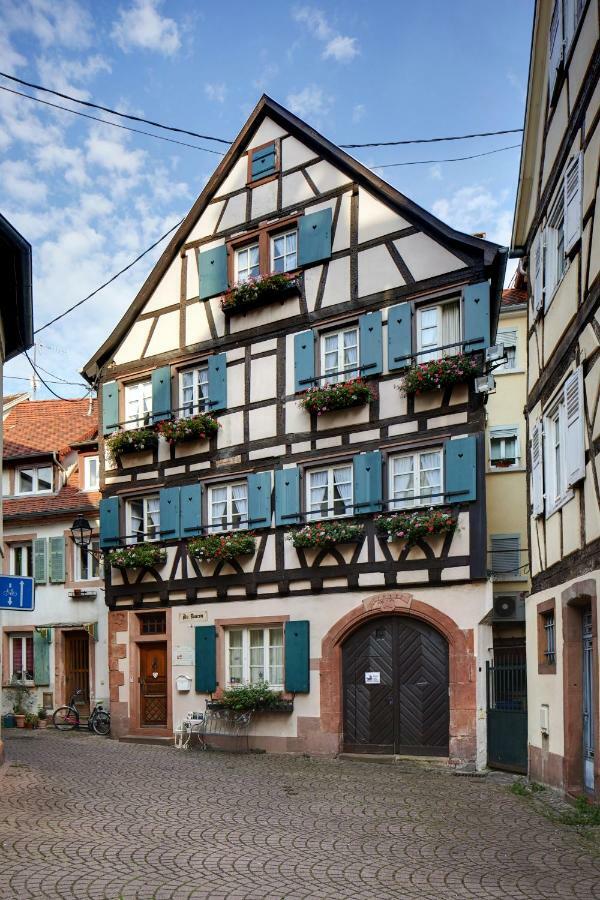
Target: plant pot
(43,723)
(20,720)
(8,721)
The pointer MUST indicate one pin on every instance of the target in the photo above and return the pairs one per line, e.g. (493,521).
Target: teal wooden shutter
(476,312)
(399,336)
(460,469)
(263,162)
(287,496)
(41,659)
(304,360)
(39,560)
(367,482)
(206,659)
(212,271)
(57,560)
(314,237)
(190,500)
(110,407)
(371,349)
(161,394)
(169,513)
(259,500)
(109,522)
(297,657)
(217,382)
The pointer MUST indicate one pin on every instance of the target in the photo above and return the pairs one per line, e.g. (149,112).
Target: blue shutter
(304,360)
(110,407)
(212,271)
(367,482)
(217,382)
(190,500)
(476,312)
(297,657)
(460,469)
(109,522)
(206,659)
(259,500)
(287,496)
(263,162)
(314,237)
(169,513)
(371,350)
(399,326)
(57,560)
(41,659)
(161,394)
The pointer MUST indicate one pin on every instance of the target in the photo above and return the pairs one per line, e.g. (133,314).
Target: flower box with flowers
(222,547)
(258,291)
(440,373)
(194,428)
(412,526)
(137,556)
(135,440)
(326,534)
(344,395)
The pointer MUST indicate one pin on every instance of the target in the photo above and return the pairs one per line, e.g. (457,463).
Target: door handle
(422,683)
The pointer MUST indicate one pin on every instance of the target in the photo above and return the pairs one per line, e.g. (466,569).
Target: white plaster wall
(268,130)
(235,212)
(425,258)
(166,334)
(341,240)
(375,219)
(377,271)
(133,344)
(263,379)
(326,177)
(337,283)
(264,199)
(295,189)
(207,222)
(294,153)
(167,290)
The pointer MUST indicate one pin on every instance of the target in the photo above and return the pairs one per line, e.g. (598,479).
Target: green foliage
(519,788)
(42,713)
(22,698)
(410,526)
(258,291)
(31,719)
(250,696)
(222,546)
(346,394)
(326,534)
(133,441)
(439,373)
(584,813)
(137,556)
(195,428)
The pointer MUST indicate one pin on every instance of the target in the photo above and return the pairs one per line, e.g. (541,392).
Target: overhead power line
(47,384)
(422,162)
(433,140)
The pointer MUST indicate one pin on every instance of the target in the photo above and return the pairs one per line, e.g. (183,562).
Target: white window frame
(145,501)
(245,630)
(425,355)
(553,276)
(505,369)
(198,405)
(284,235)
(35,480)
(230,524)
(22,636)
(494,435)
(338,374)
(89,483)
(140,394)
(26,546)
(316,515)
(246,249)
(93,561)
(408,503)
(556,488)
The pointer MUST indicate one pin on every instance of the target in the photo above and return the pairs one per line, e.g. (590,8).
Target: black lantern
(81,532)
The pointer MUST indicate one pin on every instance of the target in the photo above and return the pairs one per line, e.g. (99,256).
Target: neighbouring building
(375,638)
(51,474)
(556,231)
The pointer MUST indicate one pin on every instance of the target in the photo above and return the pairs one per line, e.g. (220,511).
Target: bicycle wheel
(65,718)
(101,723)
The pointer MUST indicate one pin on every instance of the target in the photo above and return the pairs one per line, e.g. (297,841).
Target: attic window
(34,480)
(263,162)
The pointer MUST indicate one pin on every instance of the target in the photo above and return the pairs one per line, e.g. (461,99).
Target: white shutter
(537,469)
(573,192)
(505,556)
(574,428)
(537,266)
(555,48)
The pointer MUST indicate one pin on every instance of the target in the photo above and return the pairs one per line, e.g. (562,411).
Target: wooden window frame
(261,236)
(180,372)
(542,610)
(20,545)
(34,467)
(129,535)
(250,153)
(22,636)
(207,504)
(420,307)
(77,576)
(338,328)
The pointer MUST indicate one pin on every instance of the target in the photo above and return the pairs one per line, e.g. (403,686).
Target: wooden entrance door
(153,685)
(77,665)
(395,678)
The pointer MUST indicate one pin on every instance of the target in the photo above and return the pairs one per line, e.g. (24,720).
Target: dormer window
(34,480)
(263,162)
(91,470)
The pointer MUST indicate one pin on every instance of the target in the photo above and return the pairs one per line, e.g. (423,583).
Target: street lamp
(81,532)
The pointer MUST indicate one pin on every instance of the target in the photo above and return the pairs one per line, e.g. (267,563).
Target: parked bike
(66,718)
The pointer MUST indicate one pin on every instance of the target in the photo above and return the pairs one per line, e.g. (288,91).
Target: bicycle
(65,718)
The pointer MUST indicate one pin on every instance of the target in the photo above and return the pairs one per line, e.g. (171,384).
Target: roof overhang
(16,305)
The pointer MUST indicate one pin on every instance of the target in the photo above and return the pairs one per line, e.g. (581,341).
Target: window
(247,263)
(22,560)
(339,355)
(505,550)
(416,479)
(91,479)
(87,567)
(193,384)
(21,657)
(554,457)
(283,251)
(549,644)
(504,446)
(228,506)
(138,404)
(34,480)
(255,655)
(563,25)
(438,326)
(153,623)
(330,492)
(555,259)
(507,337)
(143,519)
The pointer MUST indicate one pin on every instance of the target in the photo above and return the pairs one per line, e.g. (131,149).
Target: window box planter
(136,440)
(411,526)
(222,547)
(345,395)
(195,428)
(252,697)
(257,292)
(326,534)
(137,556)
(440,373)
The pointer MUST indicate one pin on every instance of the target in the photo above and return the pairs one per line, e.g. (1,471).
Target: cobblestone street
(86,817)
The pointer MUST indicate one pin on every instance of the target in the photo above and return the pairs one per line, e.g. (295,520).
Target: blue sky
(89,197)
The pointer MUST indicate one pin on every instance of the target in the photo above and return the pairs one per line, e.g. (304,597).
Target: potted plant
(193,428)
(134,440)
(411,526)
(223,546)
(326,534)
(258,291)
(42,717)
(31,720)
(137,556)
(252,697)
(344,395)
(21,702)
(440,373)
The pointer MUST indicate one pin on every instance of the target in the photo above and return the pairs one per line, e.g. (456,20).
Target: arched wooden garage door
(395,676)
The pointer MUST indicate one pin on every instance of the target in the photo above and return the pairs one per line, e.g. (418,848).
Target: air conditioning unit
(509,608)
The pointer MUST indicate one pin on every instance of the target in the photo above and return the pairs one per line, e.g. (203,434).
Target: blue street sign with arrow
(17,593)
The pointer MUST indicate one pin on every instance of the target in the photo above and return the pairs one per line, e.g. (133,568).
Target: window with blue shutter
(399,336)
(476,313)
(368,486)
(259,500)
(297,657)
(57,560)
(304,360)
(39,560)
(212,272)
(460,469)
(314,237)
(217,382)
(109,523)
(371,348)
(263,161)
(41,657)
(206,659)
(110,407)
(169,513)
(161,394)
(190,500)
(287,496)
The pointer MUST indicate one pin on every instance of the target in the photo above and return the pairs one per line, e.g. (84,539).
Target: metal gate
(507,714)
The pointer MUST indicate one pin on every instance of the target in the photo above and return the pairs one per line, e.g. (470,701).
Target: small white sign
(372,677)
(193,618)
(183,655)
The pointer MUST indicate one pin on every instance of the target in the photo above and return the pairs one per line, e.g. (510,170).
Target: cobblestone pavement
(87,817)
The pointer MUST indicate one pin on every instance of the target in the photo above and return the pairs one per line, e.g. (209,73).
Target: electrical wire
(422,162)
(53,392)
(433,140)
(59,379)
(24,378)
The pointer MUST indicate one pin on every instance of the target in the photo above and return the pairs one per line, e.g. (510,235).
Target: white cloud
(65,74)
(339,47)
(310,102)
(142,27)
(111,153)
(19,182)
(435,172)
(67,23)
(358,112)
(216,92)
(11,58)
(53,158)
(475,208)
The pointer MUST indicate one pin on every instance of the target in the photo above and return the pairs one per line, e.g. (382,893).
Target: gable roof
(43,427)
(490,253)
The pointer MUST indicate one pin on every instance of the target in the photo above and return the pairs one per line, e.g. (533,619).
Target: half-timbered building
(374,635)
